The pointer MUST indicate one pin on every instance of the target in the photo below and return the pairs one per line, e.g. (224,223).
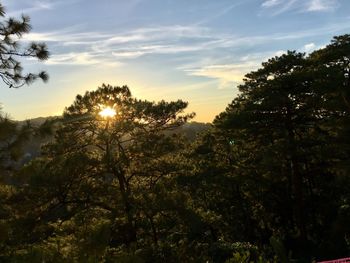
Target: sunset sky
(195,50)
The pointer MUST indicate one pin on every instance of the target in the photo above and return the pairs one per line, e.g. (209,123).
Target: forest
(117,180)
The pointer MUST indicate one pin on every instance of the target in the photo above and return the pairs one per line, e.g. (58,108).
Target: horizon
(198,52)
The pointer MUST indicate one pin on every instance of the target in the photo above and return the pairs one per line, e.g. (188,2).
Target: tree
(12,139)
(121,142)
(288,127)
(12,135)
(105,170)
(11,73)
(11,70)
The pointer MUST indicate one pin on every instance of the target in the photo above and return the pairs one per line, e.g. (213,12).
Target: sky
(194,50)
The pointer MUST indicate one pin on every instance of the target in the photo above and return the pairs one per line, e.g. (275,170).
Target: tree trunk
(131,232)
(297,180)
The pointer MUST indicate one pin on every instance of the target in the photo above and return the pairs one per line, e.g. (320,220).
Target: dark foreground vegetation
(268,182)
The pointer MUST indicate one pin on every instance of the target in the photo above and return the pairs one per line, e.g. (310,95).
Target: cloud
(322,5)
(67,37)
(82,58)
(232,74)
(42,5)
(276,7)
(127,45)
(279,7)
(309,47)
(270,3)
(140,50)
(189,42)
(221,13)
(39,5)
(228,75)
(160,33)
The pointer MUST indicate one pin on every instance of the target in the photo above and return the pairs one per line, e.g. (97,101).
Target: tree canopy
(290,121)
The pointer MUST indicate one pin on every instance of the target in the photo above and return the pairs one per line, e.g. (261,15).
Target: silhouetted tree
(288,127)
(107,172)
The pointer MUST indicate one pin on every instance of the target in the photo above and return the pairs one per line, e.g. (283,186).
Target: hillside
(32,148)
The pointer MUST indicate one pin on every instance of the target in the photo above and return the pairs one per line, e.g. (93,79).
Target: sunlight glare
(107,112)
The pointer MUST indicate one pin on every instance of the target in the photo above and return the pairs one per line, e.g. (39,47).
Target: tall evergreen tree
(288,123)
(104,171)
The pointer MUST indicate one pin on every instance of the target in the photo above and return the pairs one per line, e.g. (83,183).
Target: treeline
(268,182)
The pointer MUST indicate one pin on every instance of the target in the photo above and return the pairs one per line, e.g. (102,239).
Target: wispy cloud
(40,5)
(81,47)
(230,75)
(270,3)
(322,5)
(81,58)
(276,7)
(68,36)
(221,13)
(135,43)
(138,51)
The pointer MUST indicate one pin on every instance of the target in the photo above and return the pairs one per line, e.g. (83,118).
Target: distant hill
(37,121)
(192,129)
(32,147)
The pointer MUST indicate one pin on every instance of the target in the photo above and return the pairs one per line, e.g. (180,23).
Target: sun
(107,112)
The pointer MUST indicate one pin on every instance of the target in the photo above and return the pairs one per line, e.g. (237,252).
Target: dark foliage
(11,51)
(268,182)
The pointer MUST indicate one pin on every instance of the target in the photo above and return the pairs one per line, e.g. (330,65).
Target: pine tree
(11,51)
